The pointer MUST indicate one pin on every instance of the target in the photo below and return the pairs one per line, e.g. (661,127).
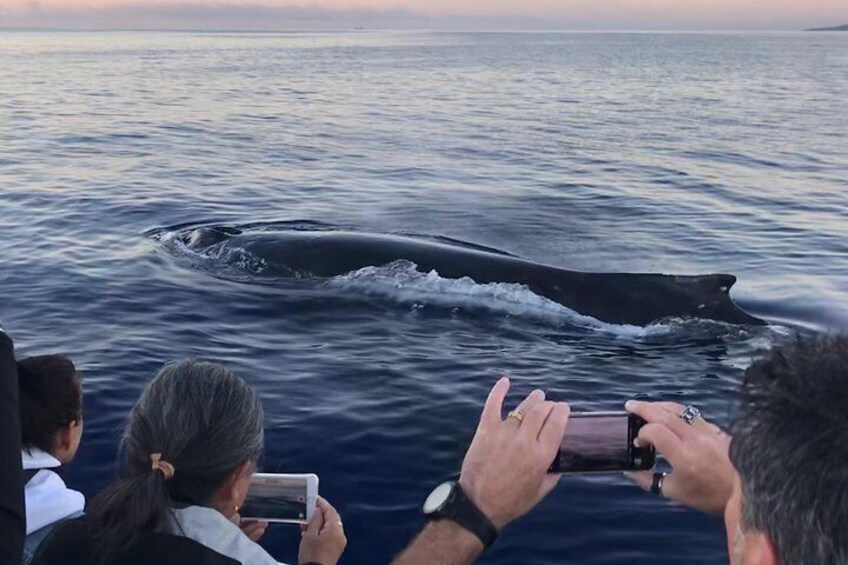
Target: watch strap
(462,510)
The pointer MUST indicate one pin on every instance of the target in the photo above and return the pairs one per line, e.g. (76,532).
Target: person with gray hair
(780,481)
(191,443)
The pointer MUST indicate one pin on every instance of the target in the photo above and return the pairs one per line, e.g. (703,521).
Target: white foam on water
(402,282)
(235,260)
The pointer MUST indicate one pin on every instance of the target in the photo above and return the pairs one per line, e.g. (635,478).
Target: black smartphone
(602,442)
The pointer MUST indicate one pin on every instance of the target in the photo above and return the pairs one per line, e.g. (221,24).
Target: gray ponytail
(205,421)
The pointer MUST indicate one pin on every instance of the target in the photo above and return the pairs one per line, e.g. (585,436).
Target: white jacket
(46,497)
(212,529)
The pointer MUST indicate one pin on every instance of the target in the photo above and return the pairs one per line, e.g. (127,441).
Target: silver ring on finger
(657,484)
(690,414)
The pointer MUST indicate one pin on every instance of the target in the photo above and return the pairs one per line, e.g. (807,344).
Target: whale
(617,298)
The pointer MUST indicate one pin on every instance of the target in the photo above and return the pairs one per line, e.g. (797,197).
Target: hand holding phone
(602,442)
(323,539)
(702,475)
(281,498)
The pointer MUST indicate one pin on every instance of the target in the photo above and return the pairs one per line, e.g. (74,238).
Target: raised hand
(323,539)
(702,476)
(505,470)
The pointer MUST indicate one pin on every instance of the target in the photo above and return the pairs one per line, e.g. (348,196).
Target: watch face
(438,497)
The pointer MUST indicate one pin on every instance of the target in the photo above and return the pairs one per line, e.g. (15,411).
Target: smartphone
(281,498)
(602,442)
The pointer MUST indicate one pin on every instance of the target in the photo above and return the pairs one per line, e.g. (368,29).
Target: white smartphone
(281,498)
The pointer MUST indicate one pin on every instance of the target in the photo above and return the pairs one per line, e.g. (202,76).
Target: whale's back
(620,298)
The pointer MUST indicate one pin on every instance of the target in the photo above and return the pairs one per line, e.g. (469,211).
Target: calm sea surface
(608,152)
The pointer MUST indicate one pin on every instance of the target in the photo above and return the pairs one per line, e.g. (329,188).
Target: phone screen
(280,499)
(597,442)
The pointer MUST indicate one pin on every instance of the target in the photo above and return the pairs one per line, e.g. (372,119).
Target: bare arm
(442,543)
(504,473)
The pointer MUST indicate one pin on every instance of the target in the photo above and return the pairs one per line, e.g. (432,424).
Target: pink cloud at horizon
(617,13)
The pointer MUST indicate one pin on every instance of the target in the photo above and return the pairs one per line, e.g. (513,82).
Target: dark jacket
(12,517)
(72,543)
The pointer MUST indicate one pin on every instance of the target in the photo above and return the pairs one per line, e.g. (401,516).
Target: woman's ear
(241,483)
(760,550)
(231,494)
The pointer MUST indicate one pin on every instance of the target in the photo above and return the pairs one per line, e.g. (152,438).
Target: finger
(664,441)
(554,427)
(706,427)
(699,422)
(254,529)
(535,418)
(317,522)
(653,412)
(247,522)
(332,519)
(642,478)
(531,400)
(673,407)
(493,409)
(645,479)
(669,487)
(524,407)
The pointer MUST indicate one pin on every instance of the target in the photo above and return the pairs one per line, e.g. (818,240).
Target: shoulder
(72,543)
(210,528)
(167,549)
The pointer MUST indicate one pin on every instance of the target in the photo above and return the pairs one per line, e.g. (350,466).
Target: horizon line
(360,29)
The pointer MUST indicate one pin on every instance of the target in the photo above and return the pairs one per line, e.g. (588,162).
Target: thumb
(316,524)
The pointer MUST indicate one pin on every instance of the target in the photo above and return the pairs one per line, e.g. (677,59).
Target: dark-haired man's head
(51,405)
(790,448)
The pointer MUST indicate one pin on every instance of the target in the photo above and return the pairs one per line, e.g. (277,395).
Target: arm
(442,543)
(703,475)
(12,522)
(504,473)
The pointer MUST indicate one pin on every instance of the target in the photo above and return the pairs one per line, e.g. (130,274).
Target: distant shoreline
(835,28)
(318,30)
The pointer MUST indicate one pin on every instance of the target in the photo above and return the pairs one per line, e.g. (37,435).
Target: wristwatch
(448,501)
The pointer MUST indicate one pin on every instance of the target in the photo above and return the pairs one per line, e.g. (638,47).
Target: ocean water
(677,153)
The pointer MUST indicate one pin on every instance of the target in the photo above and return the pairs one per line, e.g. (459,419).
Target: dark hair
(205,421)
(790,447)
(50,397)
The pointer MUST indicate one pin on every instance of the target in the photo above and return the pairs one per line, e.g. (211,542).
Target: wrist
(449,501)
(498,521)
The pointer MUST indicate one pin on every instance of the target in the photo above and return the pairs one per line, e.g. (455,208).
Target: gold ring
(517,414)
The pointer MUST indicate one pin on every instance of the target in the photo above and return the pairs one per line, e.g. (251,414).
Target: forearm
(442,543)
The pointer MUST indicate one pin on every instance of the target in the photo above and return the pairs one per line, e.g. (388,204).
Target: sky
(425,14)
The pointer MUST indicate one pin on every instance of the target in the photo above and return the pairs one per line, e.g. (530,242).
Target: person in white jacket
(50,398)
